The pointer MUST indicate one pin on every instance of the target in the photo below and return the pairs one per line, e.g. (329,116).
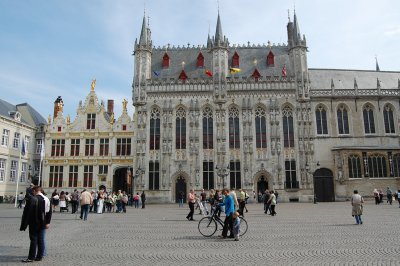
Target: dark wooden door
(180,186)
(262,184)
(323,185)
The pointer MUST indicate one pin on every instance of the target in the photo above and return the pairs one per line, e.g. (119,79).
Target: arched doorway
(323,185)
(180,185)
(123,180)
(262,184)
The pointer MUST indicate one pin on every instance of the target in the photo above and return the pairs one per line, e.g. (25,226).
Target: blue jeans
(136,204)
(358,219)
(43,232)
(36,246)
(119,206)
(180,203)
(84,211)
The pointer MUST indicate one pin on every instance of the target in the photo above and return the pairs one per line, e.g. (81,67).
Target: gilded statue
(124,105)
(112,119)
(49,120)
(93,85)
(68,120)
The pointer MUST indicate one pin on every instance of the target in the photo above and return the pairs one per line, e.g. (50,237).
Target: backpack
(125,199)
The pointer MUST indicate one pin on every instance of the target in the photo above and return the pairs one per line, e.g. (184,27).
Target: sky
(55,48)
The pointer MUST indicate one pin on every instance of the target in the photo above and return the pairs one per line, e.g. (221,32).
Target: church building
(257,117)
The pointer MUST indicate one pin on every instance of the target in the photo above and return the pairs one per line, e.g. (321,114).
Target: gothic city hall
(251,117)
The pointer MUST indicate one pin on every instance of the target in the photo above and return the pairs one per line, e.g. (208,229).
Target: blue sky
(52,48)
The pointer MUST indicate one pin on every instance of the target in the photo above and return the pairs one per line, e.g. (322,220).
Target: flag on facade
(234,70)
(284,71)
(156,73)
(209,73)
(23,149)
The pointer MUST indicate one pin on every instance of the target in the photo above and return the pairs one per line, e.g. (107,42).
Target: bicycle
(208,225)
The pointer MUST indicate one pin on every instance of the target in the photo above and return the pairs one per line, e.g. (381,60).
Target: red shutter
(270,59)
(200,60)
(165,62)
(235,60)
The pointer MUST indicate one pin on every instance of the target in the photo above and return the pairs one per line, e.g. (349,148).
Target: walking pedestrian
(203,197)
(136,200)
(86,200)
(74,200)
(389,196)
(357,207)
(265,198)
(21,198)
(143,199)
(236,226)
(181,198)
(242,201)
(272,203)
(36,215)
(100,201)
(191,198)
(124,201)
(376,196)
(55,199)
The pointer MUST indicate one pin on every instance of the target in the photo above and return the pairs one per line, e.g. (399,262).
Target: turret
(142,66)
(219,46)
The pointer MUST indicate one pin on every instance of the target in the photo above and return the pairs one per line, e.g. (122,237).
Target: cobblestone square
(301,234)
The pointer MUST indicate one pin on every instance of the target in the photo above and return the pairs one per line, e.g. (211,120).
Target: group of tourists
(269,197)
(100,201)
(378,196)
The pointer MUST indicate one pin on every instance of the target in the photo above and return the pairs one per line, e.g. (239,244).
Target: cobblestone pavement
(301,234)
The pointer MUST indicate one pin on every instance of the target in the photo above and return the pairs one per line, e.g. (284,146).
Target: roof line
(361,70)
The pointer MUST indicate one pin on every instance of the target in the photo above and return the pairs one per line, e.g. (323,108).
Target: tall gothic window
(377,166)
(91,121)
(180,141)
(388,119)
(208,175)
(369,123)
(155,129)
(342,120)
(396,165)
(261,128)
(154,175)
(208,136)
(354,163)
(288,130)
(235,177)
(290,173)
(322,123)
(234,131)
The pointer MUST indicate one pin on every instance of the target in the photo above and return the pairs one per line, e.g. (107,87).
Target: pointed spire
(332,85)
(143,33)
(296,28)
(377,65)
(355,84)
(218,31)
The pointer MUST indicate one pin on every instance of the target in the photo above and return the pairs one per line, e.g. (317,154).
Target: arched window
(388,119)
(369,123)
(261,128)
(235,60)
(200,60)
(396,165)
(180,129)
(234,135)
(208,137)
(155,129)
(322,123)
(208,175)
(154,175)
(165,61)
(342,120)
(270,59)
(354,163)
(377,166)
(256,75)
(288,130)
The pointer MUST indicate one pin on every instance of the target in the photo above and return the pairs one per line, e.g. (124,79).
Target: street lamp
(222,172)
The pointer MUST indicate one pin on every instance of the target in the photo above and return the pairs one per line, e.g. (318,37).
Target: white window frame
(13,170)
(39,146)
(5,138)
(16,140)
(2,170)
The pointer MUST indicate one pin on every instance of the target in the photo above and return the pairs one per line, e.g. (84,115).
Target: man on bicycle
(229,209)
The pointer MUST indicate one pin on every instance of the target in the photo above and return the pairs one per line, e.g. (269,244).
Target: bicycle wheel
(243,226)
(207,226)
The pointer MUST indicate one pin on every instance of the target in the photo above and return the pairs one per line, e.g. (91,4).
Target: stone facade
(256,117)
(19,123)
(92,151)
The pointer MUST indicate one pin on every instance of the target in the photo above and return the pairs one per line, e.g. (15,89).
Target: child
(236,225)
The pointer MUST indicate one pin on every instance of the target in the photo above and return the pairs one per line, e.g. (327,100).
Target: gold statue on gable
(68,120)
(124,105)
(93,85)
(49,120)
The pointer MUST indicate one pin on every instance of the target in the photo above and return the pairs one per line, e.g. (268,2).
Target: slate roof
(344,79)
(29,115)
(247,55)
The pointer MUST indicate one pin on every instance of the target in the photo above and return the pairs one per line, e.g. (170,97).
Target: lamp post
(222,172)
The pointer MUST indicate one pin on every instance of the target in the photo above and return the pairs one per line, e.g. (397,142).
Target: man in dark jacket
(36,215)
(143,198)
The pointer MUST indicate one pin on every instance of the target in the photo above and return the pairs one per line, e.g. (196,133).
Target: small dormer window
(183,75)
(270,59)
(235,60)
(124,127)
(256,75)
(16,115)
(200,60)
(165,62)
